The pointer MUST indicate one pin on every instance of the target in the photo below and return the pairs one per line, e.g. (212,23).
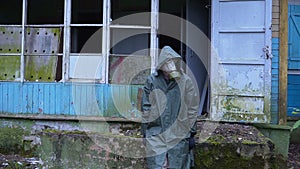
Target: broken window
(10,39)
(11,12)
(129,61)
(43,40)
(54,40)
(86,58)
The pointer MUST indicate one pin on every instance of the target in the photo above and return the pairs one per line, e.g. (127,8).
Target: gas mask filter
(170,68)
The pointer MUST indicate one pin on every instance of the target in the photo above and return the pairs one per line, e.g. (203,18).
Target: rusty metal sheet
(10,42)
(41,47)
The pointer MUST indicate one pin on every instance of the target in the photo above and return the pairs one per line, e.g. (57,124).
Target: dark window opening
(175,44)
(86,40)
(130,42)
(11,12)
(122,8)
(87,12)
(45,12)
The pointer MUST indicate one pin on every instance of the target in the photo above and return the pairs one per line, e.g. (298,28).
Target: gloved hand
(191,142)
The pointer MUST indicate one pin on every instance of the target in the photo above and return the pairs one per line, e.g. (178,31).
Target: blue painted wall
(86,99)
(275,81)
(294,62)
(293,95)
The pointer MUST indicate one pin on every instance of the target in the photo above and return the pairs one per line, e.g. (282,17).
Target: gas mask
(170,68)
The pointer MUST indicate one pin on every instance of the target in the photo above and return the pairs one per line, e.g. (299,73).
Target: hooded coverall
(169,116)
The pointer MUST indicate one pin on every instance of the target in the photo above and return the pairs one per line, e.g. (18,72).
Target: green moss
(11,140)
(35,72)
(215,140)
(224,156)
(10,67)
(55,31)
(64,131)
(249,142)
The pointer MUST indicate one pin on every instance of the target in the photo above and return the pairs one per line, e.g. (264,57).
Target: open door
(241,60)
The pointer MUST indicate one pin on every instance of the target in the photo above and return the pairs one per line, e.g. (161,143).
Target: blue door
(294,61)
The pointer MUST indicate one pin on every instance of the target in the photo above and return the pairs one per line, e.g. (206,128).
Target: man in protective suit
(169,105)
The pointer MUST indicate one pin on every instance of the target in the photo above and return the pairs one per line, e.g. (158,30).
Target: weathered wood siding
(275,60)
(71,99)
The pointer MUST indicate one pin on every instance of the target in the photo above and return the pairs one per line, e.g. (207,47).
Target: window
(129,41)
(10,39)
(75,40)
(86,58)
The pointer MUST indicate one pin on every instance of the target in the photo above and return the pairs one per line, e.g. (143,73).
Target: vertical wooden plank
(1,97)
(71,99)
(90,104)
(19,97)
(84,99)
(64,100)
(41,97)
(10,98)
(283,53)
(52,98)
(24,98)
(58,95)
(46,100)
(15,97)
(100,99)
(35,98)
(30,98)
(5,97)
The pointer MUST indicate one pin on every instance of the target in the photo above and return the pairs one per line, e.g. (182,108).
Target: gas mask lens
(170,68)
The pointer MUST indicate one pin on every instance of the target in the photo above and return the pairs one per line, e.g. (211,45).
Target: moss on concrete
(11,140)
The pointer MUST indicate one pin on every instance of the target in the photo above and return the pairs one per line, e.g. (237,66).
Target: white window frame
(106,25)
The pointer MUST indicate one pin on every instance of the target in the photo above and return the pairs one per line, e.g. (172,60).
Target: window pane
(129,70)
(87,12)
(86,66)
(121,8)
(45,12)
(40,68)
(10,67)
(10,39)
(10,42)
(11,12)
(42,46)
(130,42)
(86,40)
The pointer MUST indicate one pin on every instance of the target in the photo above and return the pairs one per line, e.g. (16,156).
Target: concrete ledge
(65,145)
(236,146)
(279,134)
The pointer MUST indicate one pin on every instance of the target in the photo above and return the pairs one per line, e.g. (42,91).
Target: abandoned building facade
(74,59)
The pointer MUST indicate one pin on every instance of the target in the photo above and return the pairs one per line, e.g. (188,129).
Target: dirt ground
(294,157)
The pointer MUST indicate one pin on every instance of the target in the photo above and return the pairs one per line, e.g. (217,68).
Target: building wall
(275,61)
(293,95)
(68,99)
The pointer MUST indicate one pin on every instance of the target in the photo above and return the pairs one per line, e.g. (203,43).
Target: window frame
(106,25)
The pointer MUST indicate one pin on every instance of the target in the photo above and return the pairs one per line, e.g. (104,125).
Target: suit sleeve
(192,101)
(146,105)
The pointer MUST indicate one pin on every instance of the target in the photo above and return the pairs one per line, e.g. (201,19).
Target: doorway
(185,39)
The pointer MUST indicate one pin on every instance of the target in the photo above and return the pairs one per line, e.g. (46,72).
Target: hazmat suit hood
(169,59)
